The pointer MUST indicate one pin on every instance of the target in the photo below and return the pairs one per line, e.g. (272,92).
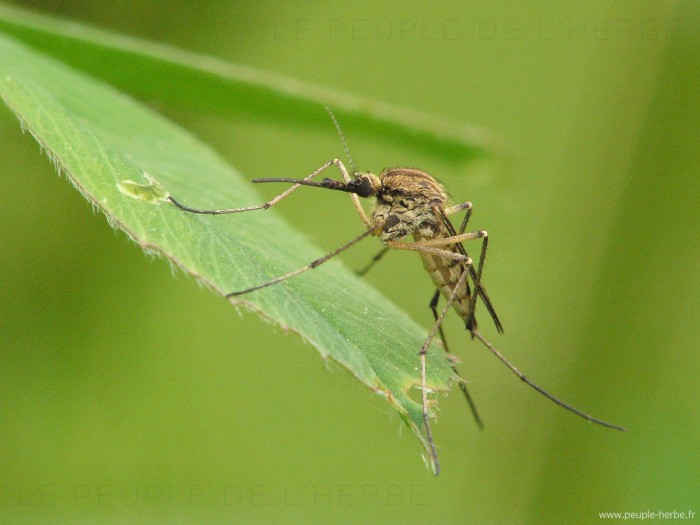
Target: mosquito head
(364,185)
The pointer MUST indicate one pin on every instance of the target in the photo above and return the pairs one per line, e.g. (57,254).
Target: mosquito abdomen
(445,273)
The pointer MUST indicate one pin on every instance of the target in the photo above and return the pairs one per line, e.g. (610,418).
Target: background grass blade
(179,77)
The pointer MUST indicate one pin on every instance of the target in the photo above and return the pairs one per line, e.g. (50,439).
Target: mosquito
(411,202)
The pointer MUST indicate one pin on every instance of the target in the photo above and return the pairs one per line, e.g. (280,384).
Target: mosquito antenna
(546,394)
(342,140)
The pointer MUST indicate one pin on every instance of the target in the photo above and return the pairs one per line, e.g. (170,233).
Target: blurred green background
(129,394)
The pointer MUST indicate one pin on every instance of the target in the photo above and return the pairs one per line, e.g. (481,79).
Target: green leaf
(106,143)
(152,71)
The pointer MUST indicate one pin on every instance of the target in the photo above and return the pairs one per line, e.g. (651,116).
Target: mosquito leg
(284,194)
(444,241)
(456,209)
(433,308)
(467,216)
(374,261)
(472,271)
(546,394)
(472,406)
(475,274)
(360,210)
(430,247)
(424,387)
(313,264)
(419,247)
(477,283)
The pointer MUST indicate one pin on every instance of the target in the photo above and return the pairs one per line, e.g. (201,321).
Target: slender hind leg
(470,401)
(474,273)
(423,351)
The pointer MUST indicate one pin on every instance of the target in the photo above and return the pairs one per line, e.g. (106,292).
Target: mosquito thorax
(406,202)
(414,183)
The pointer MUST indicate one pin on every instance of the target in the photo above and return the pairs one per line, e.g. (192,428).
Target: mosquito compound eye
(361,186)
